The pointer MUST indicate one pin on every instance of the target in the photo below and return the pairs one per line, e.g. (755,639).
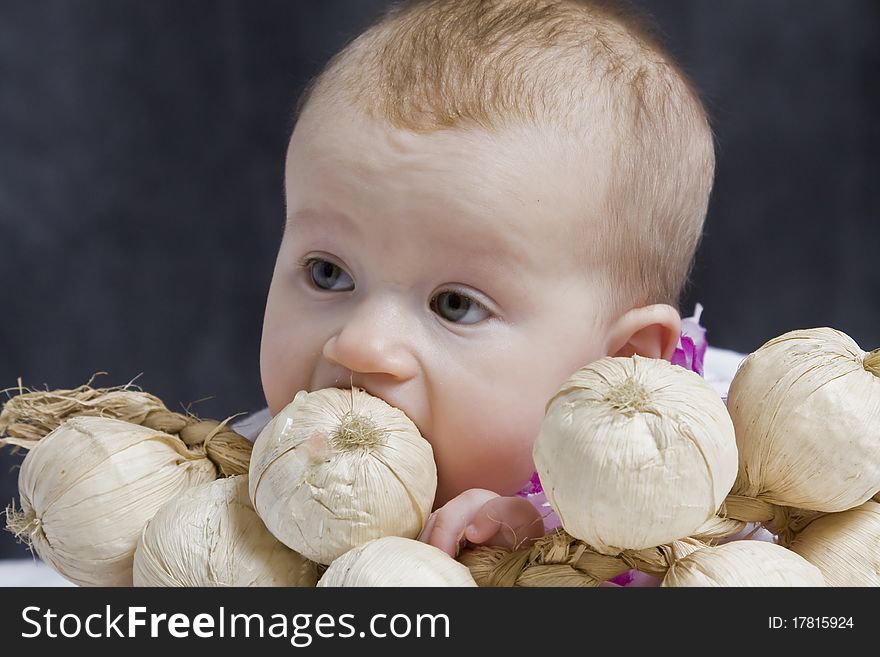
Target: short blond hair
(429,65)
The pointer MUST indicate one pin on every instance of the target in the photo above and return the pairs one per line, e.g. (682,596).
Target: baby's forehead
(521,189)
(518,156)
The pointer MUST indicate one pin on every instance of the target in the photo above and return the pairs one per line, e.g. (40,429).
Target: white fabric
(251,426)
(720,365)
(29,572)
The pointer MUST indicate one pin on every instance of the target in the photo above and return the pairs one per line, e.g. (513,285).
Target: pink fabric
(692,345)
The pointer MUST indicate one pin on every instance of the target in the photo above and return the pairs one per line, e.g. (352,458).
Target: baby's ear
(651,331)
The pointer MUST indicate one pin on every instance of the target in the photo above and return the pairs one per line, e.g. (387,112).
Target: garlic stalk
(32,414)
(806,407)
(88,488)
(635,452)
(555,560)
(211,536)
(337,468)
(395,561)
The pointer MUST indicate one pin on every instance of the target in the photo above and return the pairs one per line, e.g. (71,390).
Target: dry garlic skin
(635,452)
(743,563)
(806,407)
(337,468)
(395,561)
(211,536)
(845,546)
(88,489)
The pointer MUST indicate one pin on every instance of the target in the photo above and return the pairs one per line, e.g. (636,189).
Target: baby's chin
(447,491)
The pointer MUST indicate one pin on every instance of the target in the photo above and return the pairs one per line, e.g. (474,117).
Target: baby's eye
(328,276)
(456,307)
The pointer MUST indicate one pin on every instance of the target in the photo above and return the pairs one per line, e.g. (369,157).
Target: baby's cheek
(281,371)
(486,450)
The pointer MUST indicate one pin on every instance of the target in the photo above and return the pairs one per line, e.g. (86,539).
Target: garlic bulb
(211,536)
(743,563)
(395,561)
(635,452)
(337,468)
(806,407)
(845,546)
(88,489)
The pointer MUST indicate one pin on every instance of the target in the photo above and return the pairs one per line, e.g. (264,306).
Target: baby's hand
(482,517)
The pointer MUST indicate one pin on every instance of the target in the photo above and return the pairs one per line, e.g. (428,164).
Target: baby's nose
(373,342)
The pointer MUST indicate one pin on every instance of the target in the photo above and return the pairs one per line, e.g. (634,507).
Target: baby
(482,197)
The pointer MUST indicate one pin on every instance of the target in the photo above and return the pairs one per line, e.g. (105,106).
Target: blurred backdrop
(142,148)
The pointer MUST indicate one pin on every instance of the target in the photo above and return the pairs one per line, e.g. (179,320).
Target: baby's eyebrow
(507,248)
(304,218)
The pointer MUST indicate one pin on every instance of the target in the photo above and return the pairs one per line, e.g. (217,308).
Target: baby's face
(444,273)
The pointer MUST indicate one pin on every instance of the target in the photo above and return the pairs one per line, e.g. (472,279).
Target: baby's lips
(388,395)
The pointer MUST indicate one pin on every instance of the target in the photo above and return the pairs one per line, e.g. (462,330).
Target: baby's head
(483,197)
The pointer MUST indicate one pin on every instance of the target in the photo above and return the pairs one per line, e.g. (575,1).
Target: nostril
(329,349)
(370,352)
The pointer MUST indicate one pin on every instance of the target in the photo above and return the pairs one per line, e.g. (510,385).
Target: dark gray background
(141,154)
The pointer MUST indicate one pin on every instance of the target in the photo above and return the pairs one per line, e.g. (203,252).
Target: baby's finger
(505,521)
(429,526)
(482,527)
(451,519)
